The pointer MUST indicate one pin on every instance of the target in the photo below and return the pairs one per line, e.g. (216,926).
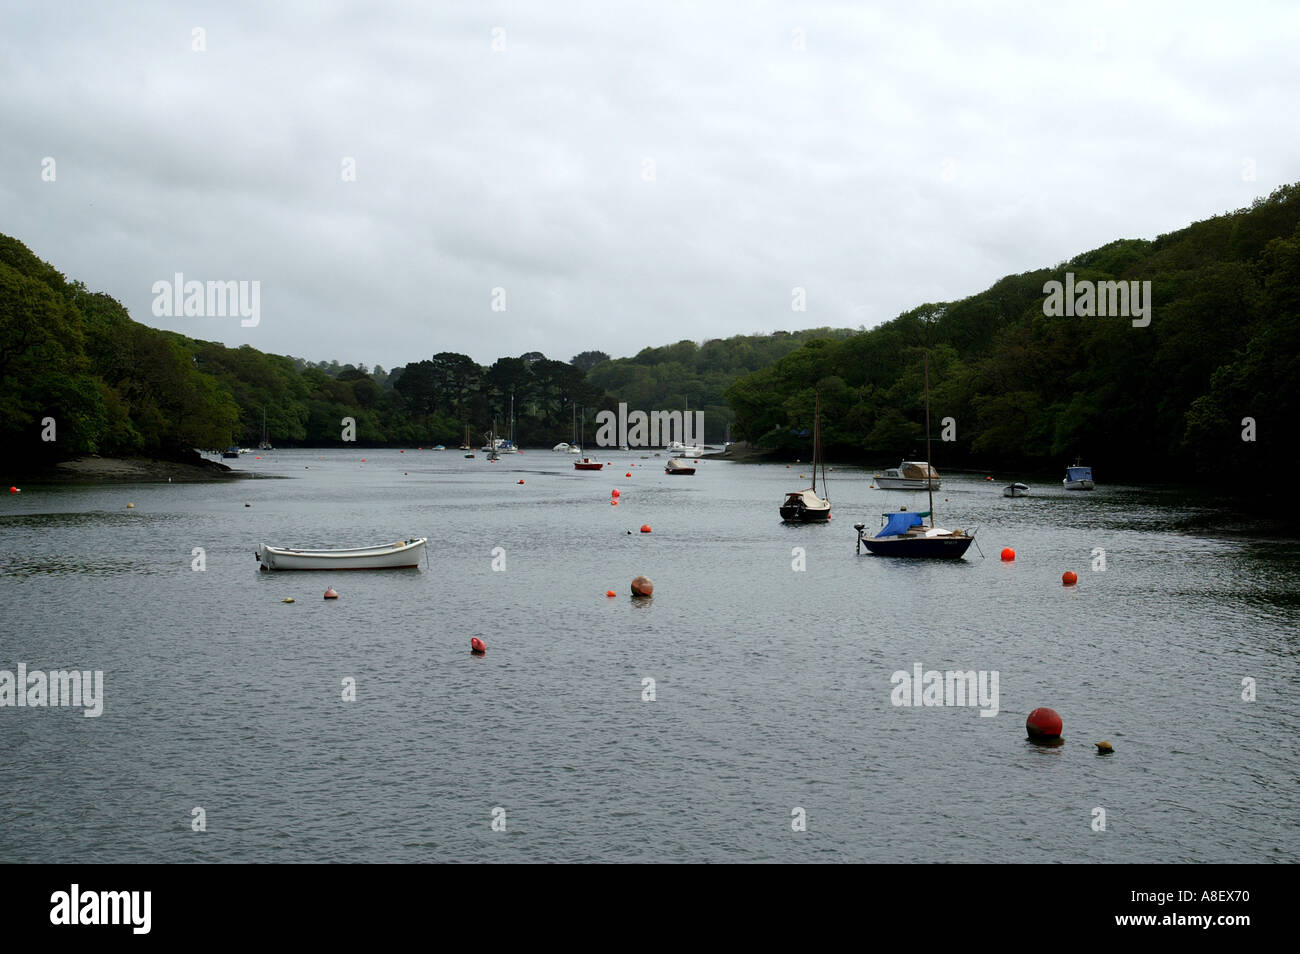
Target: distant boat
(585,463)
(804,506)
(508,446)
(1078,477)
(467,446)
(675,466)
(438,447)
(909,475)
(1015,490)
(561,448)
(266,443)
(231,451)
(388,556)
(686,450)
(904,534)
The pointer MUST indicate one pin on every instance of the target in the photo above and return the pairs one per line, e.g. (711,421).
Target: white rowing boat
(388,556)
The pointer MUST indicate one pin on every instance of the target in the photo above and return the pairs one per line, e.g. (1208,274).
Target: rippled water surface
(772,685)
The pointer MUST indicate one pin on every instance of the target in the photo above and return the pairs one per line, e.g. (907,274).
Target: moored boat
(676,466)
(1015,490)
(909,475)
(387,556)
(804,506)
(1078,477)
(587,464)
(904,534)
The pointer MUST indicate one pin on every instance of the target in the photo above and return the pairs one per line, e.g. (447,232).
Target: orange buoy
(477,646)
(1008,554)
(610,593)
(988,478)
(331,593)
(521,481)
(1044,725)
(613,502)
(645,528)
(615,493)
(1068,578)
(642,586)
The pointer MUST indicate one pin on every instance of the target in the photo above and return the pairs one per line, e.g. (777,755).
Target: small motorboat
(675,466)
(1078,477)
(387,556)
(1015,490)
(230,452)
(561,448)
(587,464)
(909,475)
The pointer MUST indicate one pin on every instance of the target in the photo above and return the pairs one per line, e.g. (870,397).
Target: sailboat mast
(817,435)
(929,483)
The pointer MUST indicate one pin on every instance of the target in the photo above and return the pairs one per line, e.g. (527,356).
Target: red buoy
(645,528)
(615,493)
(331,594)
(1068,578)
(1008,554)
(643,586)
(13,490)
(521,481)
(610,593)
(613,502)
(1044,724)
(628,474)
(477,646)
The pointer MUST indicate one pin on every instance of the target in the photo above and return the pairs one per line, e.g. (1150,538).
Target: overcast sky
(631,174)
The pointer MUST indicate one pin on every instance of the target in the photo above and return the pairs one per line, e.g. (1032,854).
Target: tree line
(1208,387)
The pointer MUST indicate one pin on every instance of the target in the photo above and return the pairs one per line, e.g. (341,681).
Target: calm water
(772,686)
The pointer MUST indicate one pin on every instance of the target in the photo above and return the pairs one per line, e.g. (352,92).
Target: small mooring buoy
(1068,578)
(643,586)
(331,593)
(477,647)
(1008,555)
(645,528)
(1104,748)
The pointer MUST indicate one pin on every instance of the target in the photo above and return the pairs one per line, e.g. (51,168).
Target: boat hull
(587,465)
(804,515)
(392,556)
(907,483)
(918,546)
(1078,484)
(1015,490)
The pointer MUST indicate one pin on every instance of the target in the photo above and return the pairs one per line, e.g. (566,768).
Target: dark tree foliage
(1220,356)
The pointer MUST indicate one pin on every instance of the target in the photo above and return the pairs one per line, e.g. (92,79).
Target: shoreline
(103,470)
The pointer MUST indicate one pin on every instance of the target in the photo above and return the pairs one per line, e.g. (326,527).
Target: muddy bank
(94,470)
